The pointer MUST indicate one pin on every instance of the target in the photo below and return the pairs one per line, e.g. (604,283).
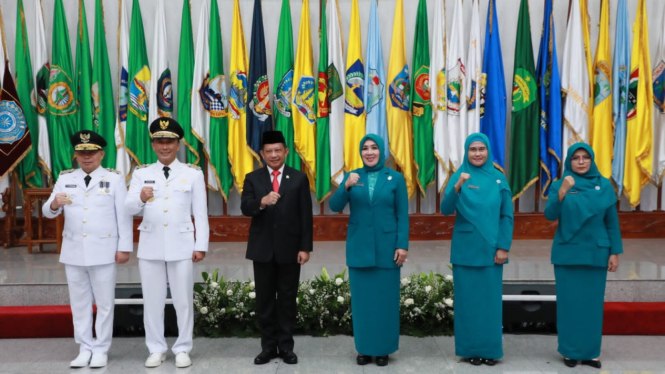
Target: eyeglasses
(581,159)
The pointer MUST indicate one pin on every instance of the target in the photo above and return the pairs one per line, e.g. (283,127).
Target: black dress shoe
(475,361)
(288,357)
(382,361)
(592,363)
(488,361)
(570,363)
(265,356)
(363,360)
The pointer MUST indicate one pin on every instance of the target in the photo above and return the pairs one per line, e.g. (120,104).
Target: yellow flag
(602,130)
(587,53)
(241,156)
(639,137)
(354,107)
(400,130)
(302,106)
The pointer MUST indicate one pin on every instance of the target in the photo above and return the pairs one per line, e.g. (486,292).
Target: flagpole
(4,43)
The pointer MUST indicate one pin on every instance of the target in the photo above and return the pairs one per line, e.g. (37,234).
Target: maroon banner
(15,140)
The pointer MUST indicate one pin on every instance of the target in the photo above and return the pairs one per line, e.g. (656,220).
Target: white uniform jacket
(167,230)
(96,222)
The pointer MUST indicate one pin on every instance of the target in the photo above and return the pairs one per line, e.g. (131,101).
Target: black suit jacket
(279,231)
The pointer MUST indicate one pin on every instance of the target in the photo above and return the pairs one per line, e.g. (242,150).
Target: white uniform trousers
(88,283)
(154,276)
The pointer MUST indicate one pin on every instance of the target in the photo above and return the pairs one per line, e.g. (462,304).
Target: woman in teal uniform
(586,245)
(376,246)
(480,196)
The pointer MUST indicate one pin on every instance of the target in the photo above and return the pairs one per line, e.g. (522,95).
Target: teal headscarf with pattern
(382,158)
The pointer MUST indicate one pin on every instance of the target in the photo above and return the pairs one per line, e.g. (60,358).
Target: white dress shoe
(154,360)
(81,360)
(98,360)
(182,360)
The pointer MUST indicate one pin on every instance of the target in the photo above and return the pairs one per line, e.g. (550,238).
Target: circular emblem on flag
(400,89)
(353,95)
(375,90)
(524,89)
(284,93)
(632,94)
(659,86)
(41,94)
(260,104)
(422,84)
(304,99)
(441,90)
(138,97)
(323,103)
(164,94)
(213,96)
(455,87)
(12,122)
(238,94)
(602,89)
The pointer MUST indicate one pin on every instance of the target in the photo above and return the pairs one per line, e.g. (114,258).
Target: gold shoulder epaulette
(113,171)
(142,166)
(67,171)
(194,166)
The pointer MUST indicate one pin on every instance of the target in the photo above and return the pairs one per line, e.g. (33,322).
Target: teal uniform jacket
(379,226)
(593,244)
(469,247)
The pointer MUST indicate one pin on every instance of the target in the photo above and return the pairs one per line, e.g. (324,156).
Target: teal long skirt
(478,311)
(375,310)
(580,297)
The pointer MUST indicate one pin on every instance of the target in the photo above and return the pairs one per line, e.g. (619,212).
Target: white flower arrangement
(339,281)
(340,299)
(252,295)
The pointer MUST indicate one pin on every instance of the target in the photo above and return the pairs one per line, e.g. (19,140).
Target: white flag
(437,78)
(41,69)
(575,83)
(336,71)
(474,78)
(659,112)
(160,101)
(200,116)
(456,89)
(122,162)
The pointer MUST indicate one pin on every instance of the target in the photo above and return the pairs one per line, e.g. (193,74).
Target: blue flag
(620,83)
(549,87)
(493,123)
(259,117)
(375,83)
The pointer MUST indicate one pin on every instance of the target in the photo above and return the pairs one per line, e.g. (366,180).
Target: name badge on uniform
(474,187)
(573,192)
(148,182)
(70,186)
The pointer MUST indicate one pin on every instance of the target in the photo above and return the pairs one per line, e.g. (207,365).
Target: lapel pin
(287,176)
(183,181)
(390,177)
(597,187)
(498,181)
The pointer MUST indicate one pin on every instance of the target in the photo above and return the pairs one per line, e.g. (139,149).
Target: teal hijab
(379,143)
(480,196)
(592,194)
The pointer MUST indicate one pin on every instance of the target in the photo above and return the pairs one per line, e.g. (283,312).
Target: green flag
(62,111)
(30,175)
(525,119)
(137,140)
(421,108)
(185,78)
(219,120)
(322,116)
(103,116)
(83,77)
(284,83)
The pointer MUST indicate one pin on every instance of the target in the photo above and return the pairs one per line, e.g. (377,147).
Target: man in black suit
(280,239)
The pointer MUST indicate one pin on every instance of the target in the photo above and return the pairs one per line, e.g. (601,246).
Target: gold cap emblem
(164,124)
(85,138)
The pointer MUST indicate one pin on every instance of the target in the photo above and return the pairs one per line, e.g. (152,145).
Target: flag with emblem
(639,137)
(83,77)
(400,130)
(586,32)
(185,78)
(421,107)
(620,85)
(574,78)
(241,155)
(525,119)
(475,95)
(549,90)
(374,93)
(284,83)
(62,113)
(160,102)
(29,171)
(259,118)
(41,70)
(354,107)
(336,84)
(322,115)
(103,115)
(493,122)
(15,141)
(437,76)
(601,136)
(302,104)
(659,118)
(456,90)
(137,139)
(122,162)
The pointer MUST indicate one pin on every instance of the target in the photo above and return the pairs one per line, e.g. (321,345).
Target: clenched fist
(351,180)
(462,179)
(59,201)
(566,185)
(270,199)
(146,194)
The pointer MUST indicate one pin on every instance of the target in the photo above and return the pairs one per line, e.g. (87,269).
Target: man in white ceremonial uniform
(97,234)
(168,193)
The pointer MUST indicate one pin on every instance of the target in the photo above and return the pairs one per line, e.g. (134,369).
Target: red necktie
(275,182)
